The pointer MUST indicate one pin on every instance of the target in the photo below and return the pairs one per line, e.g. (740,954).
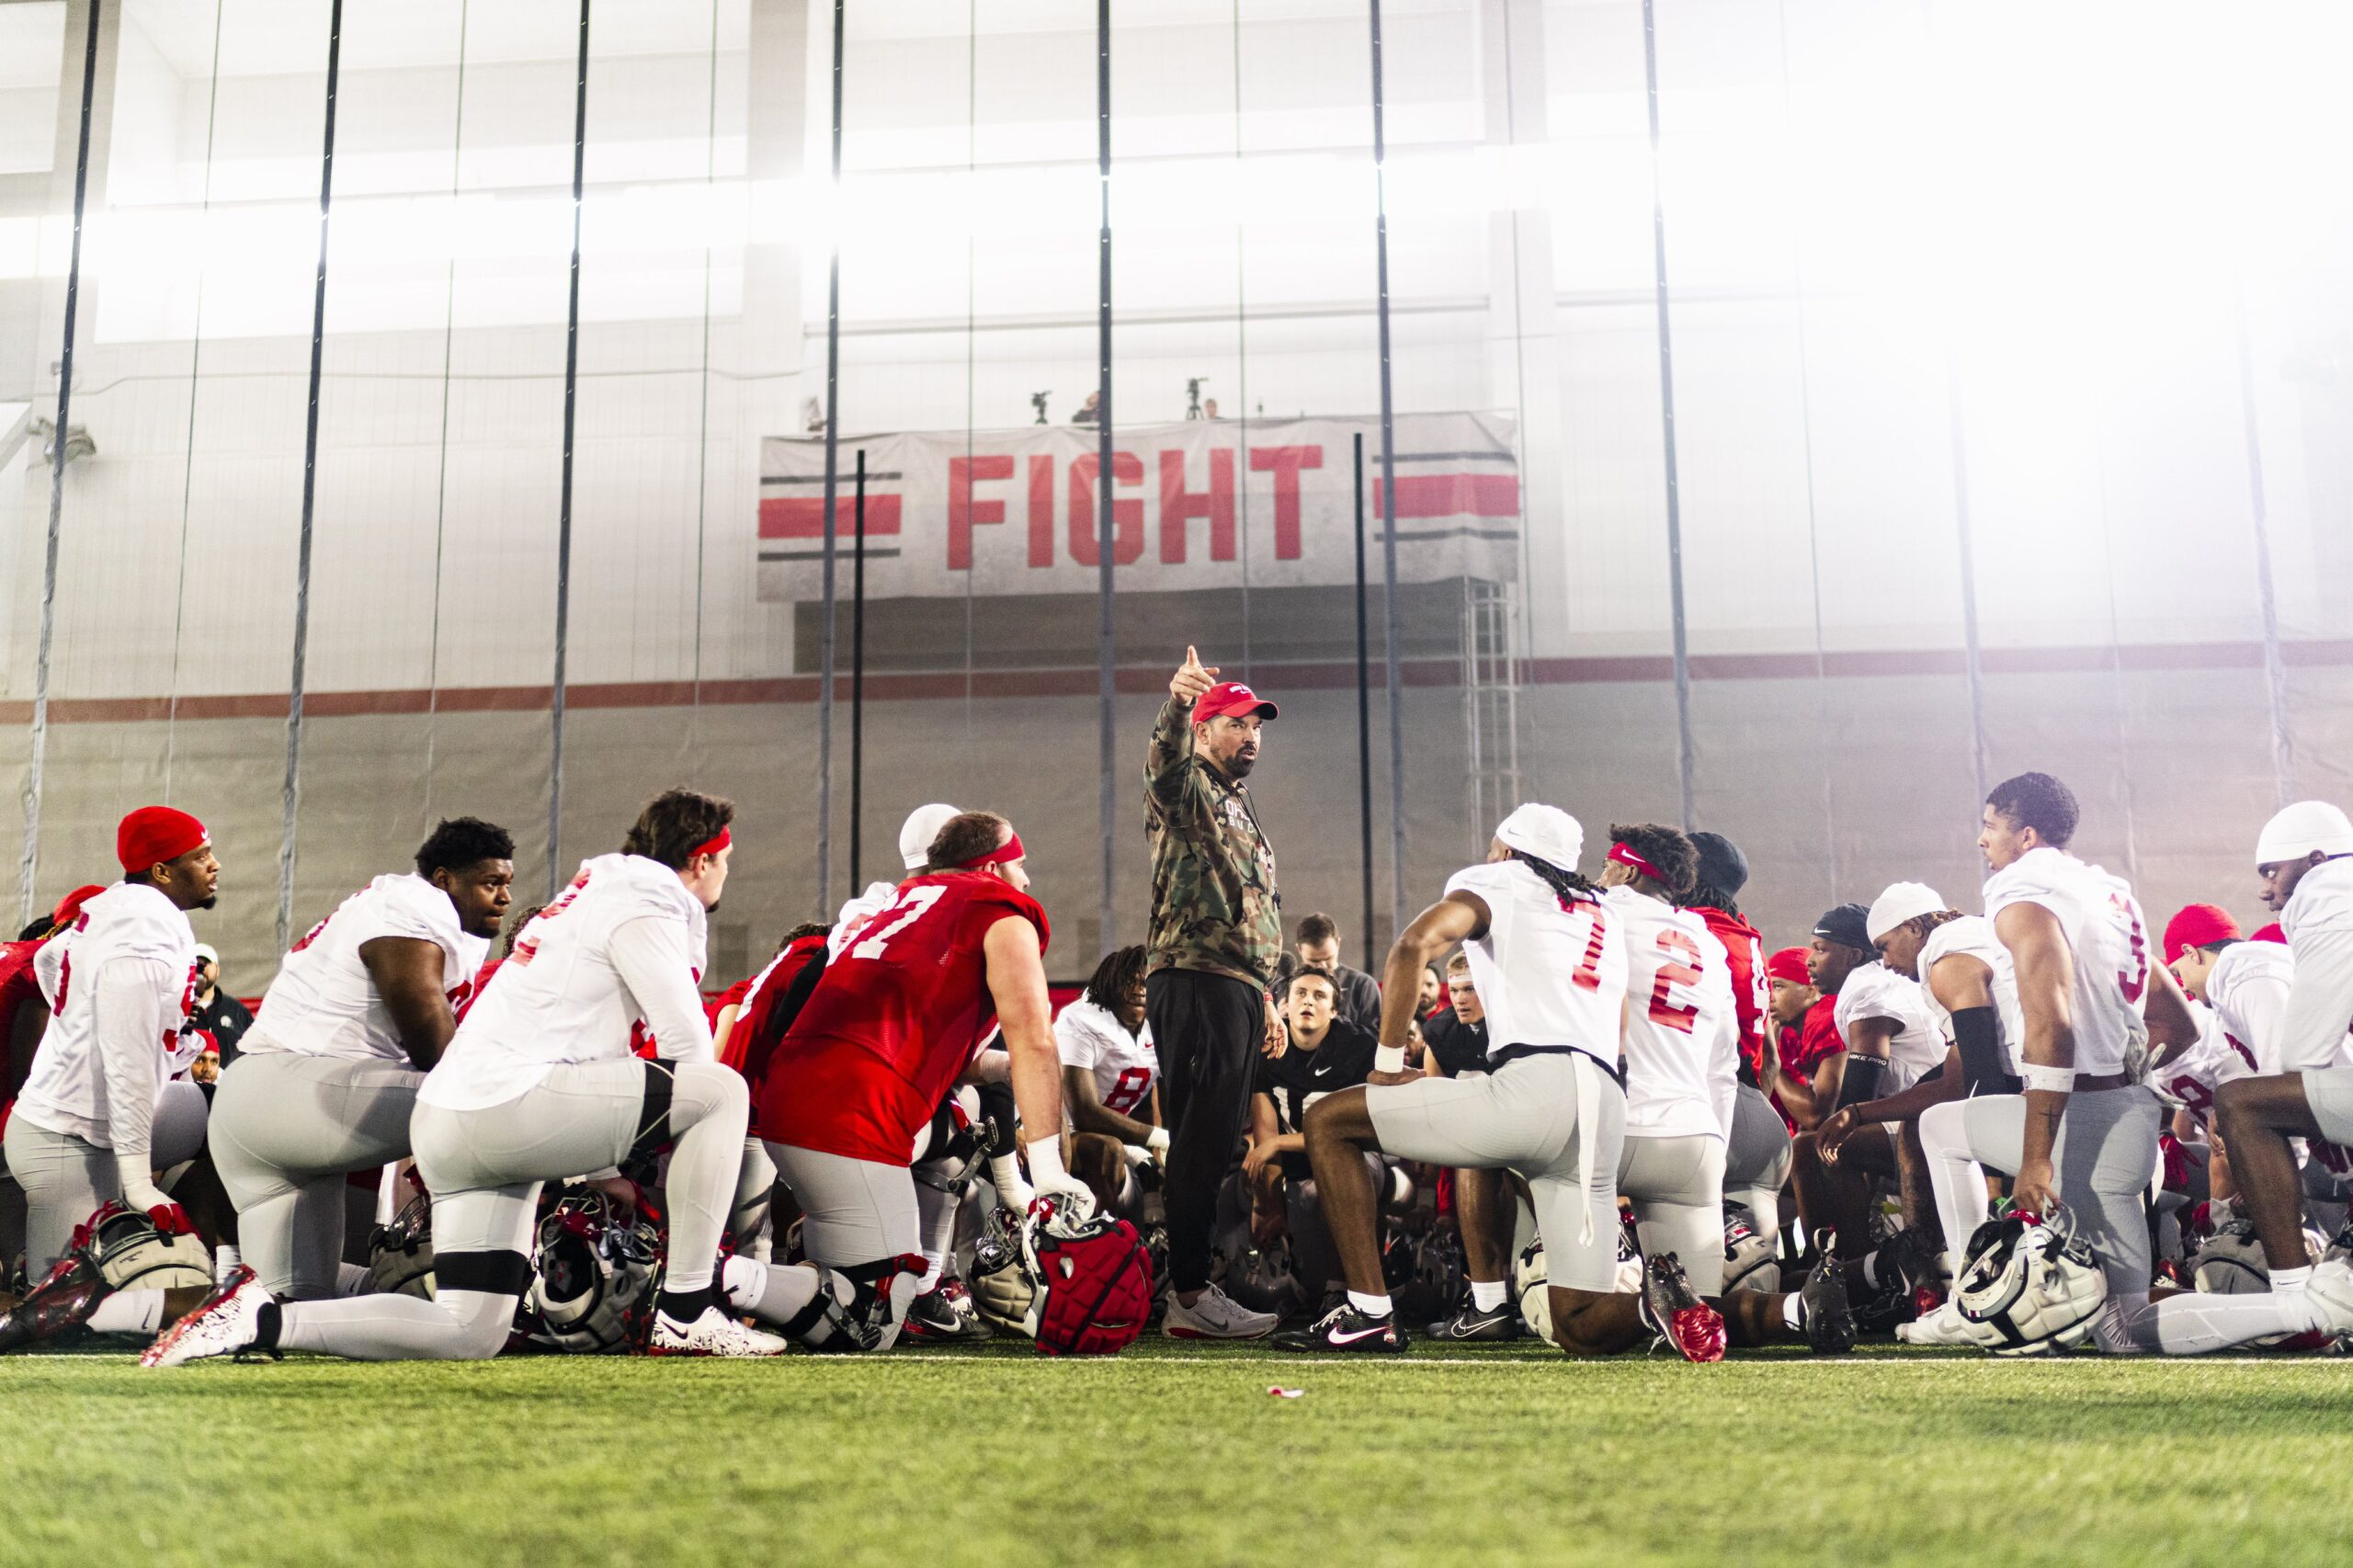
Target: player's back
(1971,935)
(1680,1023)
(1752,996)
(325,1001)
(1551,970)
(2109,938)
(892,1020)
(1874,991)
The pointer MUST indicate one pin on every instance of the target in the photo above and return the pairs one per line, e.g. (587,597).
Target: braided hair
(1568,886)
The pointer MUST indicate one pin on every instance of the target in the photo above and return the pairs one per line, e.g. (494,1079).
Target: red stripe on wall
(1457,496)
(804,517)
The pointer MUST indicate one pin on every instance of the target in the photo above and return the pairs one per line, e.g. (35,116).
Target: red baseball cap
(71,904)
(2274,932)
(1789,964)
(155,834)
(2197,926)
(1230,697)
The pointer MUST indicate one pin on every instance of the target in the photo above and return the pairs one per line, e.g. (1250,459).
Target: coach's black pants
(1207,1028)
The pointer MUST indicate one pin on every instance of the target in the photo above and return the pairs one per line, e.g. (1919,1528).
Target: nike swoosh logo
(1339,1338)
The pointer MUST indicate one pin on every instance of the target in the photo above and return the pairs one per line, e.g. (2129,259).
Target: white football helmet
(2029,1288)
(400,1255)
(132,1255)
(1002,1289)
(593,1271)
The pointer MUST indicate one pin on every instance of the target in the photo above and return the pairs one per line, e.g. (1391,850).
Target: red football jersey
(762,1022)
(1749,998)
(1819,1038)
(892,1022)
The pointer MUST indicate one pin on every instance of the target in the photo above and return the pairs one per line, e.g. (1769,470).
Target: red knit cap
(1789,964)
(154,833)
(71,904)
(2198,926)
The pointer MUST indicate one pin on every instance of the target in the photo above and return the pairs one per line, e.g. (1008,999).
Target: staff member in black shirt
(216,1012)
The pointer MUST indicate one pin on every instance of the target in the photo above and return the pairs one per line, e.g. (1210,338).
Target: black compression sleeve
(1860,1082)
(1977,1031)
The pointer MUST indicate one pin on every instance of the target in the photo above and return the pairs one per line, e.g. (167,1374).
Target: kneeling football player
(538,1084)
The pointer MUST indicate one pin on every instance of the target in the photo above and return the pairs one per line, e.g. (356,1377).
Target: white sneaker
(2329,1296)
(1943,1326)
(1215,1316)
(714,1334)
(226,1323)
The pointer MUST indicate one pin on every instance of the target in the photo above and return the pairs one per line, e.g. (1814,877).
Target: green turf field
(1177,1455)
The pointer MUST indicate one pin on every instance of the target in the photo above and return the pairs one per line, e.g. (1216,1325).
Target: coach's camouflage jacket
(1214,907)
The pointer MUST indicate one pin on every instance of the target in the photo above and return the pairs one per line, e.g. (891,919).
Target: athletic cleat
(1347,1330)
(2329,1294)
(230,1322)
(1684,1321)
(714,1334)
(1470,1326)
(1943,1326)
(1829,1318)
(934,1318)
(1216,1316)
(60,1304)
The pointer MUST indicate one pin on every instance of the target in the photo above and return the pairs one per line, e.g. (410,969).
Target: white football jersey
(1125,1066)
(1550,971)
(1971,935)
(2319,924)
(2247,990)
(1875,991)
(324,1001)
(2108,938)
(558,998)
(1682,1030)
(66,1092)
(2192,1078)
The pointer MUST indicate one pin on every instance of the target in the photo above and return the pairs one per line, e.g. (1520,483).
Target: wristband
(1388,1058)
(2051,1080)
(1156,1141)
(1046,1160)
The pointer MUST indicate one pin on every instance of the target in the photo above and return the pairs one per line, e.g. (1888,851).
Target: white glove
(1070,1200)
(1156,1144)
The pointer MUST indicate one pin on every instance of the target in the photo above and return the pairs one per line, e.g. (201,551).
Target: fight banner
(1194,506)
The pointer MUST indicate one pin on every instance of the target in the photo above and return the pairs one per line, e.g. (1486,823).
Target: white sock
(1486,1295)
(1793,1313)
(224,1260)
(1870,1271)
(129,1312)
(2290,1282)
(933,1265)
(1371,1306)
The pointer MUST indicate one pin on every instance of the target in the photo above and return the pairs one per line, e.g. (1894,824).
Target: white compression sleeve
(129,1007)
(649,952)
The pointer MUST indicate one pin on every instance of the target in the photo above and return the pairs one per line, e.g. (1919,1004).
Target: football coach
(1216,936)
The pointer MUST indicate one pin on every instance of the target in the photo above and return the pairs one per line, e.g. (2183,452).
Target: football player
(1756,1154)
(539,1084)
(360,1011)
(1324,1053)
(1681,1044)
(2304,861)
(891,1025)
(1111,1081)
(103,1111)
(2084,1132)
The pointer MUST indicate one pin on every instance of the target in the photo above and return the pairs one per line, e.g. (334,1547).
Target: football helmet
(1749,1260)
(1088,1279)
(593,1273)
(400,1255)
(2029,1286)
(133,1254)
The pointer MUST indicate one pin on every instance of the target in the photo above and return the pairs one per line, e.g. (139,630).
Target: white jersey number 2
(909,909)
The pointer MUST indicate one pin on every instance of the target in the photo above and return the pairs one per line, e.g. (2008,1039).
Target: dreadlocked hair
(1703,896)
(1568,886)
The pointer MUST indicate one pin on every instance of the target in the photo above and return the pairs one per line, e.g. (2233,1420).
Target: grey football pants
(1756,1161)
(66,1179)
(1677,1188)
(484,1169)
(286,1130)
(2106,1151)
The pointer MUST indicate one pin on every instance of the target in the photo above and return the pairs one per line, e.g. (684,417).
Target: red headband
(711,846)
(1625,856)
(1010,850)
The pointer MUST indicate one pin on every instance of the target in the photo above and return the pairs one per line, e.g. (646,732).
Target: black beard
(1241,766)
(209,902)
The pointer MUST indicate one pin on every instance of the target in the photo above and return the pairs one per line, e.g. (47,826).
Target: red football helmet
(1093,1287)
